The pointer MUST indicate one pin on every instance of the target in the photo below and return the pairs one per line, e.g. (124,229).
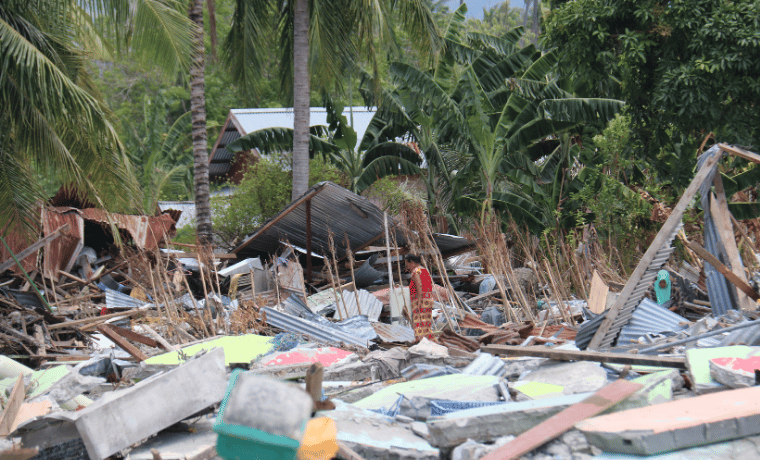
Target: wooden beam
(122,343)
(587,355)
(597,299)
(739,152)
(34,247)
(19,453)
(12,407)
(94,319)
(722,218)
(482,296)
(660,240)
(712,260)
(134,336)
(560,423)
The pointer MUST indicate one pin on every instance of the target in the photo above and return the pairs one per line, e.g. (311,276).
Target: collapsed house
(303,324)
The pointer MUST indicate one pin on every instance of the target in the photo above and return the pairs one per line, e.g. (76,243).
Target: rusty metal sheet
(18,240)
(61,253)
(393,332)
(146,231)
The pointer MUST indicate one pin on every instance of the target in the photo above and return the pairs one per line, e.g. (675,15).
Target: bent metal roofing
(337,210)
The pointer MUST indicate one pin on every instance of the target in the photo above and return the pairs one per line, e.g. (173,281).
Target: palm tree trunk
(198,110)
(301,112)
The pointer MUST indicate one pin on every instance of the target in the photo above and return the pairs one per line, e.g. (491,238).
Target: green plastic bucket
(238,442)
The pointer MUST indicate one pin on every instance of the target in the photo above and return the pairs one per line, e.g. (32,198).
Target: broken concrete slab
(455,387)
(485,424)
(237,349)
(195,441)
(377,437)
(698,362)
(471,450)
(125,417)
(747,448)
(657,389)
(560,423)
(579,377)
(677,424)
(735,372)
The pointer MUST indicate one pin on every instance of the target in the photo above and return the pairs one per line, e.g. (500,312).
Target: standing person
(421,294)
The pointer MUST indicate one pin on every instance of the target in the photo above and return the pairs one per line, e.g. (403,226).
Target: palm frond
(274,140)
(161,34)
(391,149)
(382,167)
(588,110)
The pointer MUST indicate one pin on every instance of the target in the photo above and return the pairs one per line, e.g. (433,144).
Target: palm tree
(319,46)
(52,121)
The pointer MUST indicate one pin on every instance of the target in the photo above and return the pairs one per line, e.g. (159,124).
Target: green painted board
(698,362)
(456,387)
(538,390)
(41,380)
(237,349)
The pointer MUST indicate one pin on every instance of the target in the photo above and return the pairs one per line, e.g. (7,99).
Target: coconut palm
(53,123)
(319,41)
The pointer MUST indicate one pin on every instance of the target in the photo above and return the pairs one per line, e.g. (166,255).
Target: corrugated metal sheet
(61,253)
(318,332)
(394,332)
(333,210)
(485,364)
(117,301)
(366,274)
(650,318)
(370,306)
(722,295)
(18,239)
(747,336)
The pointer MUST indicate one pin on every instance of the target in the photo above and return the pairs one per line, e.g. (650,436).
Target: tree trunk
(301,111)
(198,110)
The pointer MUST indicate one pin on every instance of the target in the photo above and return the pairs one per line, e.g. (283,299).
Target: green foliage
(263,192)
(393,195)
(686,67)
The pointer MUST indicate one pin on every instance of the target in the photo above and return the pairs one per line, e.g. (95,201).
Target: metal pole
(701,336)
(308,241)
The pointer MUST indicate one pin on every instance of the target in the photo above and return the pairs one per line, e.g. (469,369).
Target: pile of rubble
(149,353)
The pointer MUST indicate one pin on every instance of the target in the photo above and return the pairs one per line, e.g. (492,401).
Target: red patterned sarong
(421,293)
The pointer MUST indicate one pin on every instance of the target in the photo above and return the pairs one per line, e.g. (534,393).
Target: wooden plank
(597,299)
(94,319)
(134,336)
(195,255)
(33,248)
(12,407)
(562,422)
(739,152)
(314,382)
(661,239)
(122,343)
(722,219)
(712,260)
(588,355)
(161,341)
(482,296)
(19,453)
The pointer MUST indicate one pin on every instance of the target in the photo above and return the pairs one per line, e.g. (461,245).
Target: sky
(475,7)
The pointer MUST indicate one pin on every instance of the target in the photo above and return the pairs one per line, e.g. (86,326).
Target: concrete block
(735,372)
(471,450)
(698,362)
(485,424)
(579,377)
(677,424)
(376,437)
(125,417)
